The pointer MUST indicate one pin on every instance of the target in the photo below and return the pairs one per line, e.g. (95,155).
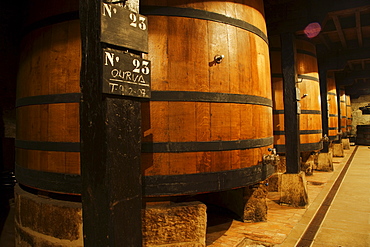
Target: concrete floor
(347,222)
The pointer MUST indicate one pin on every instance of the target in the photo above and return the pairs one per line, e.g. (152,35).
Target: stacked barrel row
(207,124)
(309,87)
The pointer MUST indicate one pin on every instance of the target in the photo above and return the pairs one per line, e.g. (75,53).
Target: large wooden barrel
(48,129)
(207,125)
(343,112)
(332,105)
(310,117)
(48,96)
(349,114)
(363,135)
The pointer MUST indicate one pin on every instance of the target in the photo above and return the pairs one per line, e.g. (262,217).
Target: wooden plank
(182,115)
(155,129)
(350,11)
(74,47)
(291,118)
(44,128)
(235,109)
(201,78)
(219,82)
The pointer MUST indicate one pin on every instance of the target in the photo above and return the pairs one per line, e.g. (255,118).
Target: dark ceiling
(343,45)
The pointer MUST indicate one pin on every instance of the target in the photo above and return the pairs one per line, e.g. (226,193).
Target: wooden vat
(349,114)
(343,112)
(332,106)
(363,135)
(310,117)
(48,96)
(207,125)
(48,129)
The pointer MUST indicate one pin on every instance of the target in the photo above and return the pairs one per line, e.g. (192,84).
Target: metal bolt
(218,58)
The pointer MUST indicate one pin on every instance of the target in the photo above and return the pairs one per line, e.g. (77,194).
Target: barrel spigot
(272,159)
(325,138)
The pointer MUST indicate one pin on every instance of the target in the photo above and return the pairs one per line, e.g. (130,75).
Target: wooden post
(291,103)
(325,157)
(293,189)
(110,148)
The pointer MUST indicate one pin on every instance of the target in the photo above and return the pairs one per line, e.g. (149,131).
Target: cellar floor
(347,222)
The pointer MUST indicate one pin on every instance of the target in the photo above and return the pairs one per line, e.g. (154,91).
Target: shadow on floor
(219,221)
(7,217)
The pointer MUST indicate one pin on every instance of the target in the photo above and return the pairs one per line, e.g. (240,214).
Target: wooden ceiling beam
(338,60)
(354,76)
(324,40)
(350,11)
(350,65)
(357,88)
(358,28)
(339,30)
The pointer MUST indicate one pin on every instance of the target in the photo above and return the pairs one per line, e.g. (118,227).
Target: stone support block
(309,163)
(255,209)
(44,222)
(274,182)
(338,150)
(175,225)
(294,190)
(346,144)
(325,162)
(281,167)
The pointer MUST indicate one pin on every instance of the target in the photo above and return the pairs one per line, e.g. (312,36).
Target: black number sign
(122,27)
(125,74)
